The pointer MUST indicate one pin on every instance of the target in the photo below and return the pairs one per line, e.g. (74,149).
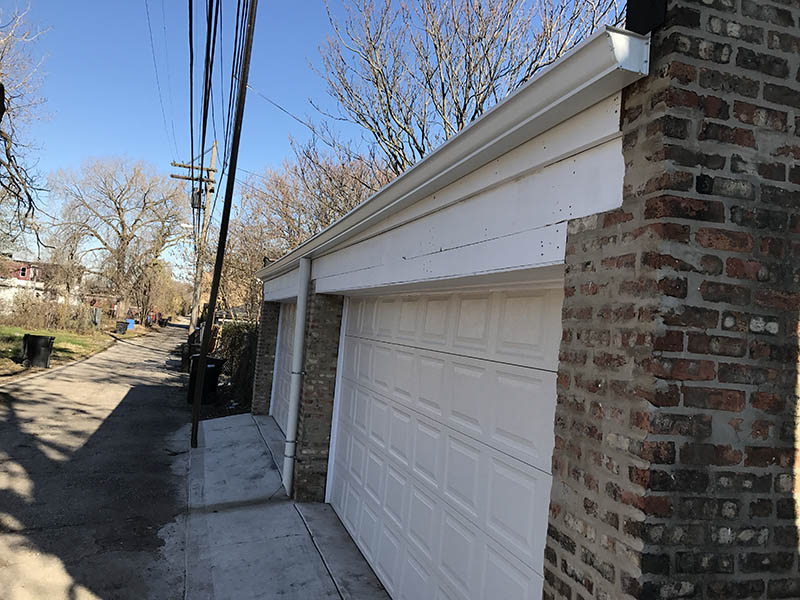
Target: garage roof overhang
(592,71)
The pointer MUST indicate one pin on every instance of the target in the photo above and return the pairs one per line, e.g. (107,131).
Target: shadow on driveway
(92,478)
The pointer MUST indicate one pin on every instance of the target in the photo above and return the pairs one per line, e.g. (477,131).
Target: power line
(191,85)
(169,79)
(238,44)
(282,109)
(158,82)
(212,14)
(223,228)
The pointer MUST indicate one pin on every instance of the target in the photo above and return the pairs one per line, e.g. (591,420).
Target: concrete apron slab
(247,539)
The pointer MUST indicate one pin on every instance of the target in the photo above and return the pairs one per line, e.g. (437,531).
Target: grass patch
(67,347)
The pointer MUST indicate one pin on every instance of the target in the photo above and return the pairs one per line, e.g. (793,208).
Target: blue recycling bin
(131,323)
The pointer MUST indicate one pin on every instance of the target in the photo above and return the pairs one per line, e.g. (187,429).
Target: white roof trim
(592,71)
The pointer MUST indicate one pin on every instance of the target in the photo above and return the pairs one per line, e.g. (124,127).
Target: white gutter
(592,71)
(297,374)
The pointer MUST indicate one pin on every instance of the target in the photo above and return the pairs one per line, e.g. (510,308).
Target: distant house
(18,275)
(22,270)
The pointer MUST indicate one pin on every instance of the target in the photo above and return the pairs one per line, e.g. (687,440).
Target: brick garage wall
(675,462)
(323,325)
(265,357)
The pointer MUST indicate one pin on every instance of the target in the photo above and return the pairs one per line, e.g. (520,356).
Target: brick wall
(265,357)
(675,461)
(323,323)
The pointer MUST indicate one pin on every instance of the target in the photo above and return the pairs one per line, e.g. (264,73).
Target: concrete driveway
(100,496)
(93,462)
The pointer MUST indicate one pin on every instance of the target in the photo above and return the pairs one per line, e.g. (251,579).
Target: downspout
(304,279)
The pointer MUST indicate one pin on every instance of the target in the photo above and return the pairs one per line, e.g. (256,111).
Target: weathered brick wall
(265,357)
(323,324)
(675,461)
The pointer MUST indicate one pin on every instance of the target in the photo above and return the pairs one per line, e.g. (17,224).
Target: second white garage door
(443,440)
(282,381)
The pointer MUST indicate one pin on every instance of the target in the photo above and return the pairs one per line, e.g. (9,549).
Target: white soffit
(595,69)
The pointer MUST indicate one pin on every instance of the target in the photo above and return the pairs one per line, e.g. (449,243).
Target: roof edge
(595,69)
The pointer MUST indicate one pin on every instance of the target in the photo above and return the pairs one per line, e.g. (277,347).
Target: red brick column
(675,469)
(265,357)
(323,324)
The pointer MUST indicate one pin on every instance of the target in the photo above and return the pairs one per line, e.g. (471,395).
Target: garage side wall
(265,357)
(674,470)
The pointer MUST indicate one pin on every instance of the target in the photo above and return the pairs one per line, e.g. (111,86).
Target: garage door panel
(347,399)
(379,421)
(350,358)
(407,321)
(505,406)
(387,563)
(358,457)
(436,322)
(517,507)
(406,378)
(367,324)
(423,518)
(473,323)
(504,577)
(428,442)
(383,374)
(460,553)
(352,508)
(368,531)
(447,467)
(364,357)
(387,317)
(397,493)
(519,327)
(375,476)
(361,409)
(414,585)
(467,410)
(462,476)
(526,326)
(433,383)
(522,424)
(498,494)
(400,435)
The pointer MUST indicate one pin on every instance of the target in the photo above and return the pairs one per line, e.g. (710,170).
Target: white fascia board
(594,70)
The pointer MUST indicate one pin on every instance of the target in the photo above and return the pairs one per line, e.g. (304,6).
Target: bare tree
(157,291)
(64,270)
(125,217)
(303,197)
(19,83)
(414,74)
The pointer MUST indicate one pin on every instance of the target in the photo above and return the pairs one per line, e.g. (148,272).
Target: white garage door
(282,380)
(444,437)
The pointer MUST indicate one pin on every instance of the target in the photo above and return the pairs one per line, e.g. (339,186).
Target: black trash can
(213,369)
(121,327)
(36,350)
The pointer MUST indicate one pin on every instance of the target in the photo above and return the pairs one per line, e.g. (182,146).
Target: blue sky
(100,85)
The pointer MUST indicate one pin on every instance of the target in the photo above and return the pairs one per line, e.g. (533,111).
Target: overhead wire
(238,48)
(212,16)
(169,78)
(158,84)
(191,109)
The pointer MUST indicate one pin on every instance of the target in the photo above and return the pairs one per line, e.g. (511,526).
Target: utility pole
(224,219)
(203,218)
